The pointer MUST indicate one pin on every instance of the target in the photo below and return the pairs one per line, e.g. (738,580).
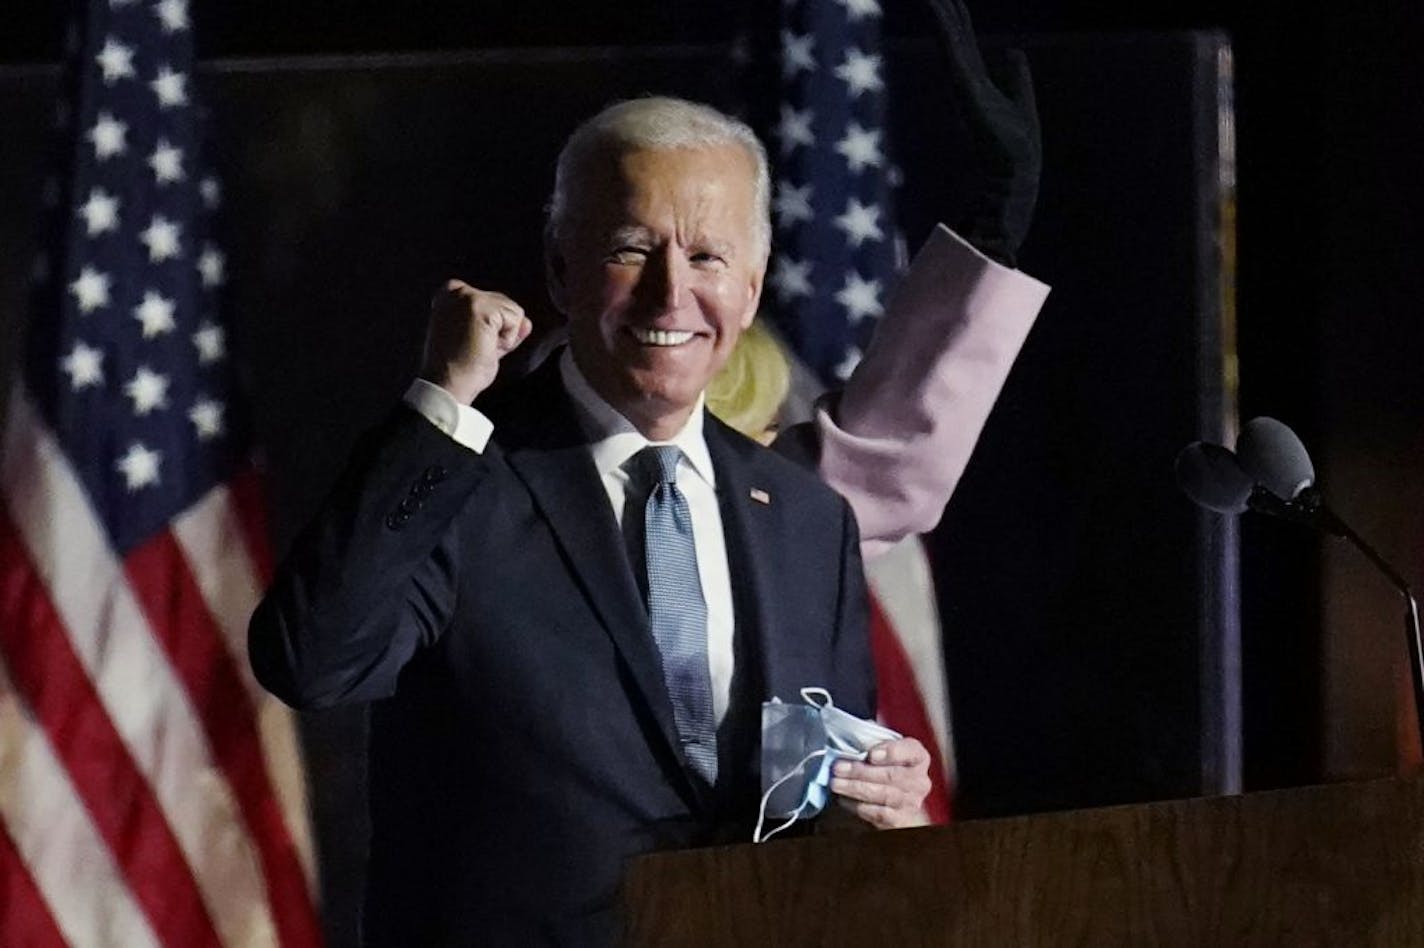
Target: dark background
(1331,142)
(1329,131)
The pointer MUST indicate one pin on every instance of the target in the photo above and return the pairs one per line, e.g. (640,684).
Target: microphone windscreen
(1210,475)
(1272,454)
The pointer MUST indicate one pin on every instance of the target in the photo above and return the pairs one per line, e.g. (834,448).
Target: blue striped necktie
(676,610)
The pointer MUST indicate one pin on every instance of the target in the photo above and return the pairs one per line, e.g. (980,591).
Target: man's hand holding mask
(889,787)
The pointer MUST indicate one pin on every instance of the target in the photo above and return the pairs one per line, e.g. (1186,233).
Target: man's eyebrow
(719,246)
(629,233)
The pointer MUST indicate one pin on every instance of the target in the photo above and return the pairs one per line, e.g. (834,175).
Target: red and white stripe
(909,661)
(217,536)
(151,793)
(45,822)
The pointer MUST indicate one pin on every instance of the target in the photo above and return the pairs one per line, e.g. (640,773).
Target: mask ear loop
(820,699)
(766,799)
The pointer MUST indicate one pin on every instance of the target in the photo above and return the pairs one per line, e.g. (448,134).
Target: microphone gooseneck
(1271,473)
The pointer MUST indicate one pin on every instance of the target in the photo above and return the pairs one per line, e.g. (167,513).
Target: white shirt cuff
(465,425)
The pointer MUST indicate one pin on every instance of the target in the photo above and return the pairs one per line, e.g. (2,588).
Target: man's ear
(754,288)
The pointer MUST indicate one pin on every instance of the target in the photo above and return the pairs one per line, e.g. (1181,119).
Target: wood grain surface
(1338,865)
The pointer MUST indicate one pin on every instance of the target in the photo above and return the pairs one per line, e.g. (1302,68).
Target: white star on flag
(139,466)
(91,290)
(173,14)
(170,87)
(84,365)
(156,314)
(210,343)
(210,266)
(860,8)
(847,365)
(100,212)
(791,278)
(792,203)
(115,61)
(860,147)
(211,192)
(148,389)
(796,54)
(860,222)
(794,129)
(861,73)
(108,136)
(166,162)
(161,239)
(861,298)
(207,418)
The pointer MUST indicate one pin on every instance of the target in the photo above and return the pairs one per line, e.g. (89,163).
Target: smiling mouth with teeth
(661,337)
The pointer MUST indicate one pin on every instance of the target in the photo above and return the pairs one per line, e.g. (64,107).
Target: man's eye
(628,255)
(705,258)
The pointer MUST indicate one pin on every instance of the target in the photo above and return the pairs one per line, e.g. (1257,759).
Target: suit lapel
(759,522)
(547,451)
(747,524)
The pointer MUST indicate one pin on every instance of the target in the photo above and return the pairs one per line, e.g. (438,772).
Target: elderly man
(574,600)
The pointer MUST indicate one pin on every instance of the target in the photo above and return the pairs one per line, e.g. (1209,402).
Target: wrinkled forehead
(616,176)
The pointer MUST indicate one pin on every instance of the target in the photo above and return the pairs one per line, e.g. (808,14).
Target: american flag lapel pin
(760,496)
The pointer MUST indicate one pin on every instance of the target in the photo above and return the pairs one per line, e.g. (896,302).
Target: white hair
(653,123)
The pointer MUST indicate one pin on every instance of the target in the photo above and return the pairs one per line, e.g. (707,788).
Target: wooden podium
(1339,865)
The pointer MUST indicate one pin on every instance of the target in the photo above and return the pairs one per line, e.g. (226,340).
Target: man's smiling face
(659,272)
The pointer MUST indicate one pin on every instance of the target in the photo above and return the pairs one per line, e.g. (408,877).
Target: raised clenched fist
(470,332)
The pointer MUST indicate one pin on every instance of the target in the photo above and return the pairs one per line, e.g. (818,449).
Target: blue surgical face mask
(799,743)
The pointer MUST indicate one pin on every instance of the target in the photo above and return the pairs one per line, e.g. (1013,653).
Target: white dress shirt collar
(613,439)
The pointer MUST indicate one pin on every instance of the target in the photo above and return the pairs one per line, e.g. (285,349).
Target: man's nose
(668,280)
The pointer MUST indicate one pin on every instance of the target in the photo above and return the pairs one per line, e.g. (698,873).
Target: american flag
(150,793)
(836,241)
(837,254)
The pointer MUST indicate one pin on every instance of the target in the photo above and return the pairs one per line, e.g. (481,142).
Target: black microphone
(1279,478)
(1211,476)
(1214,478)
(1274,457)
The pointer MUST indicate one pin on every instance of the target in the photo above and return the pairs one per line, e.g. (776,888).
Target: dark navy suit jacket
(523,745)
